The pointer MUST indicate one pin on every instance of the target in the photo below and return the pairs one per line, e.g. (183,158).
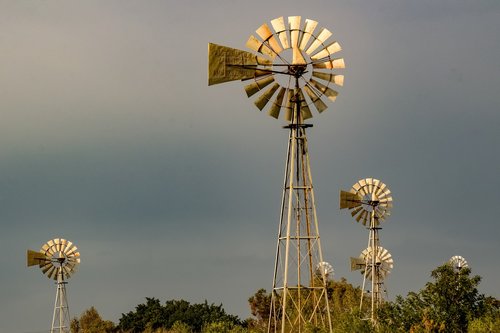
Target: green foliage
(153,316)
(448,304)
(91,322)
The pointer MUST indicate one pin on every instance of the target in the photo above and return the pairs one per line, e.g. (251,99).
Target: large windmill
(58,259)
(291,58)
(370,201)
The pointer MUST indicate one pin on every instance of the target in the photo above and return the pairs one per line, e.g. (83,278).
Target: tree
(152,316)
(446,305)
(91,322)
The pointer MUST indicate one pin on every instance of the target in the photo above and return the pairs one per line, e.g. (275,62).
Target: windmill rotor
(324,269)
(56,256)
(293,63)
(367,196)
(383,262)
(458,262)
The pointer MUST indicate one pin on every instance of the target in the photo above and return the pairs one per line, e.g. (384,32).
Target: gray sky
(110,137)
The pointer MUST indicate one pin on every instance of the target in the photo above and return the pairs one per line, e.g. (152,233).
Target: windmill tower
(58,259)
(292,58)
(370,201)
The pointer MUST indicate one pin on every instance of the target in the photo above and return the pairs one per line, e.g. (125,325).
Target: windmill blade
(258,85)
(274,111)
(330,93)
(321,39)
(266,34)
(327,51)
(258,46)
(280,29)
(356,210)
(294,23)
(333,78)
(349,200)
(36,258)
(337,63)
(263,99)
(297,57)
(318,103)
(289,106)
(227,64)
(304,108)
(309,27)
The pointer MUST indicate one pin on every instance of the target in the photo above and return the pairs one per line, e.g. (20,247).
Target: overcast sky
(111,138)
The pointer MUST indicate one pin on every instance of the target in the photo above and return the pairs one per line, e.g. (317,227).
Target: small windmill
(292,68)
(370,201)
(325,270)
(458,262)
(58,259)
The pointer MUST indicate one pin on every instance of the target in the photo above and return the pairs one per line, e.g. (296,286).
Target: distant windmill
(458,262)
(324,269)
(370,201)
(58,259)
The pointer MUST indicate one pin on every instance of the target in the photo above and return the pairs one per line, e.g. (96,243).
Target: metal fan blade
(362,216)
(324,34)
(280,29)
(357,264)
(309,27)
(289,105)
(327,51)
(349,200)
(331,64)
(304,108)
(333,78)
(267,35)
(297,57)
(274,111)
(227,64)
(258,85)
(330,93)
(258,46)
(36,258)
(356,210)
(294,22)
(262,100)
(318,103)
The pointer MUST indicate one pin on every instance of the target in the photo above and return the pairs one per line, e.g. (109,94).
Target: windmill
(324,269)
(58,259)
(458,262)
(370,201)
(291,68)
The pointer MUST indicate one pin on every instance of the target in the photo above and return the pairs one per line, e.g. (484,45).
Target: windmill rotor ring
(367,196)
(293,63)
(56,256)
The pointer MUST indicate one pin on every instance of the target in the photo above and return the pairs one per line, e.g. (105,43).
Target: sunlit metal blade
(258,46)
(304,108)
(256,86)
(274,111)
(279,26)
(294,22)
(309,27)
(356,210)
(289,105)
(267,35)
(337,63)
(330,93)
(330,49)
(227,64)
(297,57)
(262,100)
(324,34)
(318,103)
(334,78)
